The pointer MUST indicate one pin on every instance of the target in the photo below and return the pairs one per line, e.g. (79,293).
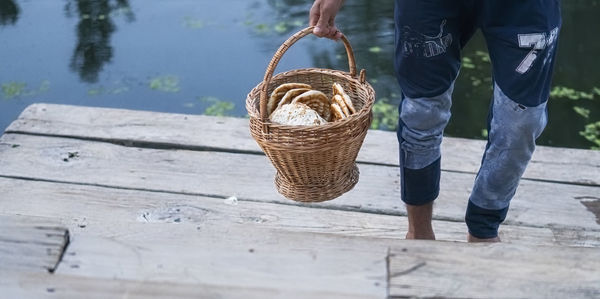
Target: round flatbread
(337,112)
(317,101)
(296,114)
(337,89)
(290,95)
(279,92)
(340,101)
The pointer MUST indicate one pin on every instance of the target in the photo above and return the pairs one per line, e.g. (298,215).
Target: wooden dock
(108,203)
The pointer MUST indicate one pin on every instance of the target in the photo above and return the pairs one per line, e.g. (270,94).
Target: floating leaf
(475,81)
(570,93)
(220,108)
(280,27)
(165,84)
(484,56)
(592,134)
(261,28)
(582,111)
(467,63)
(375,49)
(484,133)
(13,89)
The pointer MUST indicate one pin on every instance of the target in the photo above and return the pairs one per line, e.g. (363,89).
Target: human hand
(322,16)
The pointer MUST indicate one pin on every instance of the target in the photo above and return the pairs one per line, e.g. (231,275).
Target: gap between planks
(169,130)
(211,173)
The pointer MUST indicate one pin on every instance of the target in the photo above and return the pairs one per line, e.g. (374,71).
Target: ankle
(473,239)
(423,234)
(419,222)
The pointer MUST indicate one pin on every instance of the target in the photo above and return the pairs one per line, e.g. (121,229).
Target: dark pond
(202,57)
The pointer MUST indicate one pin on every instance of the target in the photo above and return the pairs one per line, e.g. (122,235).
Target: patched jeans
(521,37)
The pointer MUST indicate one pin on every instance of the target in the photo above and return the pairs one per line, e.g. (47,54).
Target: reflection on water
(94,30)
(9,12)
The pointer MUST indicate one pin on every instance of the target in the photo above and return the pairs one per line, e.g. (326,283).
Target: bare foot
(472,239)
(421,236)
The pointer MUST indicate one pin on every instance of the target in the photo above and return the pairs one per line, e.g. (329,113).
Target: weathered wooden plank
(231,134)
(226,174)
(40,285)
(85,208)
(248,257)
(28,246)
(453,270)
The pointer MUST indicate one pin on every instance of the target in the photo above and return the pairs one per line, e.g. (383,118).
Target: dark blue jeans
(521,37)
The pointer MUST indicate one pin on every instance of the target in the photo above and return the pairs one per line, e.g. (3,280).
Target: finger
(314,14)
(322,28)
(333,33)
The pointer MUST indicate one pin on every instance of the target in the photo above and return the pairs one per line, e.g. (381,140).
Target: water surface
(203,57)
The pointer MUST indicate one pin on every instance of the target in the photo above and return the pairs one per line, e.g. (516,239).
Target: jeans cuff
(484,223)
(420,186)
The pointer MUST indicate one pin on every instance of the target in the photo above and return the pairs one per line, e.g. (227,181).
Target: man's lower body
(430,34)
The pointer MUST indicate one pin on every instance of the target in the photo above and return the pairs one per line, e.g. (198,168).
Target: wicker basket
(314,163)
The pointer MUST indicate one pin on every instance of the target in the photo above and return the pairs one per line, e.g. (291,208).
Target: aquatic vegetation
(217,106)
(165,84)
(582,111)
(592,134)
(475,81)
(262,28)
(385,116)
(375,49)
(219,109)
(280,27)
(572,94)
(484,133)
(13,89)
(467,63)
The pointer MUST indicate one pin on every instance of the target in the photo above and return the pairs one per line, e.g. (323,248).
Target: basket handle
(277,56)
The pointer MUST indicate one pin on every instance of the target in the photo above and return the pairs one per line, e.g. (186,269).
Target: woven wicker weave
(314,163)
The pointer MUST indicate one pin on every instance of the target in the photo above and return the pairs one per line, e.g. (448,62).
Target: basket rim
(365,110)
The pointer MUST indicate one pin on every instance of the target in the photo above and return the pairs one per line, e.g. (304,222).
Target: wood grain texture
(244,256)
(40,285)
(232,134)
(218,174)
(454,270)
(84,209)
(25,245)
